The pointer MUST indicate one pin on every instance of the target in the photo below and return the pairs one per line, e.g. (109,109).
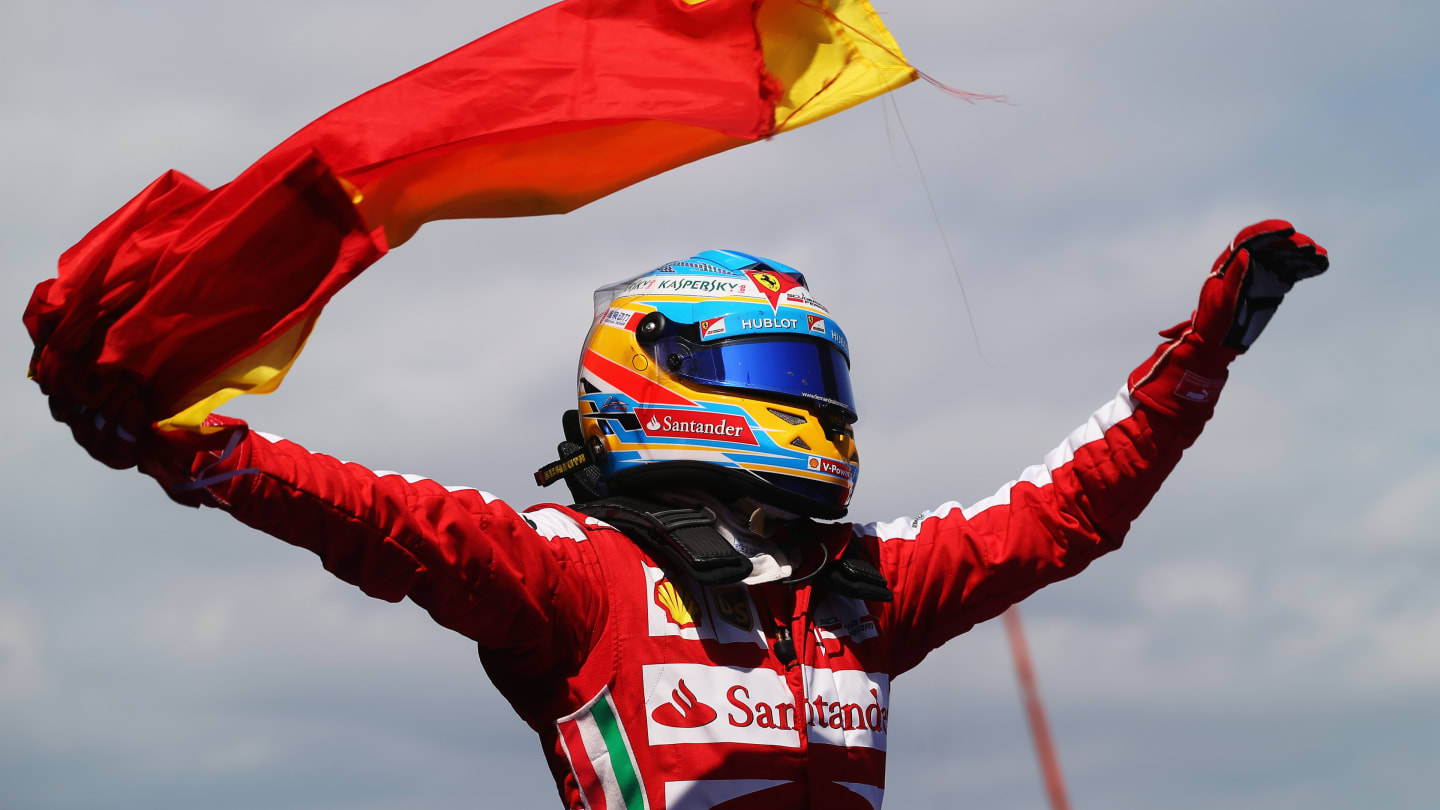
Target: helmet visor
(802,369)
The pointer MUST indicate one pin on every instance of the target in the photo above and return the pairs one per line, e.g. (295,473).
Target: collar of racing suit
(746,525)
(758,531)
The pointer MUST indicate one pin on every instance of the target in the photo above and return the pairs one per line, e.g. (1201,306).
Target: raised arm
(521,585)
(954,567)
(512,582)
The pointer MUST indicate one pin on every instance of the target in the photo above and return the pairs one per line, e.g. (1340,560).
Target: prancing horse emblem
(772,284)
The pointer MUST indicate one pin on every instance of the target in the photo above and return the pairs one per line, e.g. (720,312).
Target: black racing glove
(108,414)
(1250,279)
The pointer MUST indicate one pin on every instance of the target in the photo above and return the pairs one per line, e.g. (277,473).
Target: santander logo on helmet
(721,372)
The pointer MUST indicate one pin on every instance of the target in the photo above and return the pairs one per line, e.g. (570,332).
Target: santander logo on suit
(699,703)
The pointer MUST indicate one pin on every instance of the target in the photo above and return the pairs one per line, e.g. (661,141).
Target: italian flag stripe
(600,757)
(591,791)
(620,758)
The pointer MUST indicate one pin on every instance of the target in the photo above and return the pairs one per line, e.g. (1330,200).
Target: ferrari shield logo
(773,284)
(734,607)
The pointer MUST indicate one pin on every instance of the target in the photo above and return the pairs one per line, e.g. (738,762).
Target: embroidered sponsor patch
(1195,388)
(845,617)
(677,606)
(684,710)
(738,705)
(733,605)
(847,707)
(680,607)
(699,703)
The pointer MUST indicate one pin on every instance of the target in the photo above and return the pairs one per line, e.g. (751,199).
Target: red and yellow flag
(202,295)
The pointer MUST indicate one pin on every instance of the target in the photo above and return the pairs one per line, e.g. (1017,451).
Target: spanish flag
(201,295)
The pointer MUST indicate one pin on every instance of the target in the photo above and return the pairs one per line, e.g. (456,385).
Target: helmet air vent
(800,443)
(791,418)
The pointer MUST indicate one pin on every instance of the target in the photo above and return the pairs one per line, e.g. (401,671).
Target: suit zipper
(785,647)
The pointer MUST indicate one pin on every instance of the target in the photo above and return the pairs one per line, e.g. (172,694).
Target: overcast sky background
(1268,639)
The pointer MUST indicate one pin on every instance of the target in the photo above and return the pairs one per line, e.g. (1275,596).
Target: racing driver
(689,634)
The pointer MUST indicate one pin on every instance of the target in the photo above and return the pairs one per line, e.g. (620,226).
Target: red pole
(1035,712)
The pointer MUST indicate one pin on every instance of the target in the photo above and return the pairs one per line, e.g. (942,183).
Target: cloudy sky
(1269,638)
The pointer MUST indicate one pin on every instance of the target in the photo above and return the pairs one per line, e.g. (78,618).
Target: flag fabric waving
(201,295)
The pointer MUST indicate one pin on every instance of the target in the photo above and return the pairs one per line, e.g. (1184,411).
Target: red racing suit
(648,691)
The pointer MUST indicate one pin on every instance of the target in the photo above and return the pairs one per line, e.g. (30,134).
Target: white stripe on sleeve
(1105,417)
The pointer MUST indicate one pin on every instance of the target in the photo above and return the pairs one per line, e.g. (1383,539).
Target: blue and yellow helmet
(720,372)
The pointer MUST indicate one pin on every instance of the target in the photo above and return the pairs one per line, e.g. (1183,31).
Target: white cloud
(1404,515)
(21,673)
(1212,590)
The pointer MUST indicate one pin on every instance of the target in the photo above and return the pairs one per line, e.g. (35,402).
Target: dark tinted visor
(805,370)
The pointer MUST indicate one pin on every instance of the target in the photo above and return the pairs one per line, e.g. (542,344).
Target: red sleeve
(479,567)
(955,567)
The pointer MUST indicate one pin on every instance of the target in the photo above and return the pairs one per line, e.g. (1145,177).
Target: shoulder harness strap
(686,538)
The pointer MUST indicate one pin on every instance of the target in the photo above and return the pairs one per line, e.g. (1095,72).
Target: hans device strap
(689,540)
(685,538)
(856,576)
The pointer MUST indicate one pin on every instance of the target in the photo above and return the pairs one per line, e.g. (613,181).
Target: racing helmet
(720,372)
